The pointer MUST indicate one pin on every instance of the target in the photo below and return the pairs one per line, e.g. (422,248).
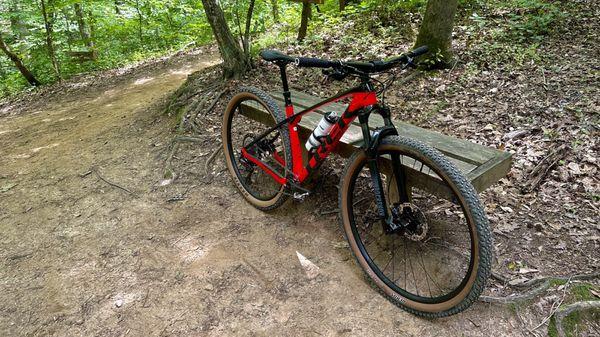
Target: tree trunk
(18,63)
(83,31)
(17,25)
(140,21)
(275,10)
(234,60)
(68,32)
(344,3)
(48,24)
(246,41)
(306,12)
(436,30)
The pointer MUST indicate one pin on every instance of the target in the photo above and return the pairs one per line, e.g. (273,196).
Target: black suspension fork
(397,168)
(371,152)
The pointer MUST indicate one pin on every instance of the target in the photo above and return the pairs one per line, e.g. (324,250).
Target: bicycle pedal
(300,196)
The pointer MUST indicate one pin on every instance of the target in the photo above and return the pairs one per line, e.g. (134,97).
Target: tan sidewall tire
(263,98)
(443,307)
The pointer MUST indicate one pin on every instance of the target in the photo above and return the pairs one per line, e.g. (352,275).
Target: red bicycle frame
(361,97)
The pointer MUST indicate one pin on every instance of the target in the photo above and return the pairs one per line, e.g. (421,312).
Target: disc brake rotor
(411,219)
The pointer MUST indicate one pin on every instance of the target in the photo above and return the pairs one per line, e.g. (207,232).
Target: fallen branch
(111,183)
(541,170)
(180,197)
(412,76)
(563,312)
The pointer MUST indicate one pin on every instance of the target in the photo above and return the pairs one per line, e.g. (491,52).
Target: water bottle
(321,130)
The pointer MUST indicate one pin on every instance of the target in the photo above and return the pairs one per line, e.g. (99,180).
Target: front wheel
(435,260)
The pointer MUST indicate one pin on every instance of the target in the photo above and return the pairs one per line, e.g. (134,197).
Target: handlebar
(344,67)
(367,67)
(310,62)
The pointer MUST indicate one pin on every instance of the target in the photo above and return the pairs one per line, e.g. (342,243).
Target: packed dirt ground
(96,242)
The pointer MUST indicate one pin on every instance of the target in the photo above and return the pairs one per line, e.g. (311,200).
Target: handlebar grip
(309,62)
(418,51)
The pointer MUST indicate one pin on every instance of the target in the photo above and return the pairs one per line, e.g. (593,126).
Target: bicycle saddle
(274,55)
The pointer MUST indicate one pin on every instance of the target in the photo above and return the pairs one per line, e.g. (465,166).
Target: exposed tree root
(212,105)
(187,139)
(542,285)
(190,108)
(565,311)
(536,281)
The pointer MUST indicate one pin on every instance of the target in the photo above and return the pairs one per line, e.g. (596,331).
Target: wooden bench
(482,165)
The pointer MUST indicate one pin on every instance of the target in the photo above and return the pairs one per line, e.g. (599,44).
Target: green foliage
(582,292)
(122,32)
(126,31)
(509,32)
(531,20)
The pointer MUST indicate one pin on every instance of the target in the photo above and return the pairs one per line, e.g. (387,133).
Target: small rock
(488,127)
(518,281)
(165,182)
(119,303)
(574,168)
(341,244)
(209,287)
(515,134)
(310,268)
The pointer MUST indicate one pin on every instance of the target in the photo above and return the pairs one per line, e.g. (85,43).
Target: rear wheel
(249,113)
(436,261)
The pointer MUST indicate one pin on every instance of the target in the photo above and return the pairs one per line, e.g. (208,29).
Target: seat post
(284,81)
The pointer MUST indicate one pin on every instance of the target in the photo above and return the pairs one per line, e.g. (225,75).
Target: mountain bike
(413,222)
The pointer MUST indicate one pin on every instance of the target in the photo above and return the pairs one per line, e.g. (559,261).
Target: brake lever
(409,63)
(335,74)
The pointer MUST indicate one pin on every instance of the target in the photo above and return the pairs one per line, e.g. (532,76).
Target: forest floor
(95,242)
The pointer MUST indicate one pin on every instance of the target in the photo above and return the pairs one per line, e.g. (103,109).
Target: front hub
(409,220)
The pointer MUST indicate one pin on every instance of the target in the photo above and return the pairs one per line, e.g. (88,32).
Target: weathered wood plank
(482,165)
(462,150)
(349,142)
(490,172)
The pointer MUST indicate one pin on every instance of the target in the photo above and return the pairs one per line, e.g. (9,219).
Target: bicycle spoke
(434,265)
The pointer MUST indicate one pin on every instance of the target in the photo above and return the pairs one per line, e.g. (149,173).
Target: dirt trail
(79,257)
